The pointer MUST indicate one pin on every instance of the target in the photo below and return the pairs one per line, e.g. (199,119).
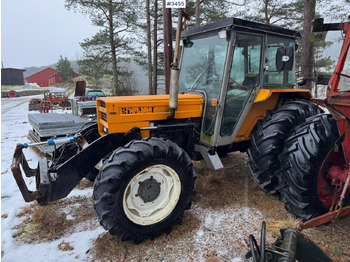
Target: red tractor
(315,173)
(53,98)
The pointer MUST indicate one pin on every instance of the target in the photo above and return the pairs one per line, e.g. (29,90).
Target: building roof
(52,75)
(14,69)
(40,71)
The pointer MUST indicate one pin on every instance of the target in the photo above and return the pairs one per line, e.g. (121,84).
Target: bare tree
(149,46)
(307,52)
(198,12)
(155,49)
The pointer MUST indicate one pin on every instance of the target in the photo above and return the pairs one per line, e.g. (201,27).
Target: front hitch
(57,181)
(40,174)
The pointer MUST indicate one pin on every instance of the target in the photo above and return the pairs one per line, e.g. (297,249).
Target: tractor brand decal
(137,110)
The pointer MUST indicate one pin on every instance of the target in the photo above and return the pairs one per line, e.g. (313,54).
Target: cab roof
(242,24)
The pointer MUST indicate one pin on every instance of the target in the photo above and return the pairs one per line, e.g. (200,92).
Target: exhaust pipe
(175,71)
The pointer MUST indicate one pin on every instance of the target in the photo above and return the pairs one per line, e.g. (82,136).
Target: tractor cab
(228,63)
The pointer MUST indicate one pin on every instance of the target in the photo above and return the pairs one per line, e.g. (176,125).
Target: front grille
(104,116)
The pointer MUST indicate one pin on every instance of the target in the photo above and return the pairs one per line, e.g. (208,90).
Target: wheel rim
(151,195)
(325,189)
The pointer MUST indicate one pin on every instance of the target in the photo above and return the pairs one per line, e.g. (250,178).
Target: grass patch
(41,223)
(46,223)
(109,247)
(65,246)
(84,184)
(5,88)
(274,226)
(212,256)
(336,250)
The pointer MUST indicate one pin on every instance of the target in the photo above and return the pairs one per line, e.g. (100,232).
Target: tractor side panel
(256,112)
(120,114)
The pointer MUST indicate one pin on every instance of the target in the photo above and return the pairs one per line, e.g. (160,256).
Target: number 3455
(176,4)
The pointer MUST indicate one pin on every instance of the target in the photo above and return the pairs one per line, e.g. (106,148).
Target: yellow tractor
(233,89)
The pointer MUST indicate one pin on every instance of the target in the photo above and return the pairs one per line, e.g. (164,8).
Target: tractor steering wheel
(238,85)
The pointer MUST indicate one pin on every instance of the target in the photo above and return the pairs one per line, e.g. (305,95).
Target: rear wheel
(267,140)
(306,187)
(143,189)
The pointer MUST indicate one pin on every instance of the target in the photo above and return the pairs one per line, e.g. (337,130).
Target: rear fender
(266,100)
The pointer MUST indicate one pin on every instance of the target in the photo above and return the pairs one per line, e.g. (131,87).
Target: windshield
(202,65)
(95,93)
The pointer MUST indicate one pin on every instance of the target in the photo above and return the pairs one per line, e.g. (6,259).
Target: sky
(37,32)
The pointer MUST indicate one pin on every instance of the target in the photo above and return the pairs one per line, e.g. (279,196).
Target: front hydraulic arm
(57,181)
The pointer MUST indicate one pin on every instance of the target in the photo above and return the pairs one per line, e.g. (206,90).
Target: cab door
(243,83)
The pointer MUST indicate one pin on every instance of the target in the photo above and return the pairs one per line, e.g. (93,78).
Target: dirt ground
(227,208)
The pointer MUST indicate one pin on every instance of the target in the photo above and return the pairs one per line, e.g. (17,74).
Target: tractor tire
(143,189)
(12,94)
(89,131)
(305,186)
(267,140)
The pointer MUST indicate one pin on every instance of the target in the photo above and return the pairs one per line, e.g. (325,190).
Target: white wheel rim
(151,195)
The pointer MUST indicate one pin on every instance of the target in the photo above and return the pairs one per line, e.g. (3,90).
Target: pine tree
(64,68)
(284,13)
(207,11)
(105,50)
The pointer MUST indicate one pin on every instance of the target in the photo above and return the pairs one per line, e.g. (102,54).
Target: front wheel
(143,189)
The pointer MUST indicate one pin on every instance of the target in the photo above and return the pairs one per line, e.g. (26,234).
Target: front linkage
(56,181)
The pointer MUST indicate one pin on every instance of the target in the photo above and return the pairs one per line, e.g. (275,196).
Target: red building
(46,77)
(53,79)
(56,78)
(41,78)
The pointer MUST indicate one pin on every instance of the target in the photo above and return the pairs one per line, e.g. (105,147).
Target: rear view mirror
(285,58)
